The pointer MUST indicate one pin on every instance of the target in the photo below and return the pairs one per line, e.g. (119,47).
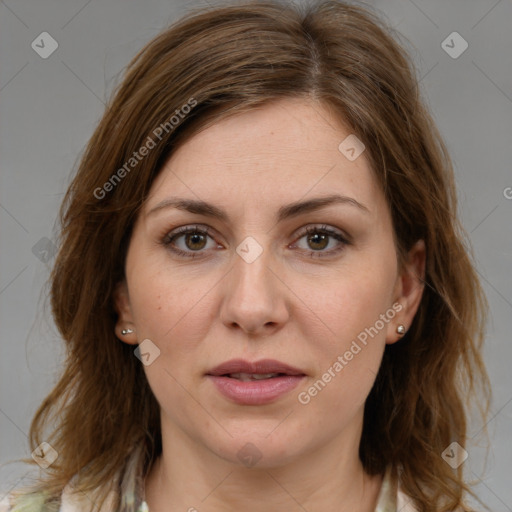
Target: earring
(126,331)
(400,329)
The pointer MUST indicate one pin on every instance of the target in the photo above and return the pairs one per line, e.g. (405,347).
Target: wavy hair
(224,61)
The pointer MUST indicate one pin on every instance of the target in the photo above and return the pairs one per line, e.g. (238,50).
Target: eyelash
(171,237)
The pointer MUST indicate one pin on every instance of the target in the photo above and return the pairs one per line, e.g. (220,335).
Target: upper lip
(256,367)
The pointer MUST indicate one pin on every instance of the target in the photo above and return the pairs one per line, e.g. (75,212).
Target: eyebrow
(285,212)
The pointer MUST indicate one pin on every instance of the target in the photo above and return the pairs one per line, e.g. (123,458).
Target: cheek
(172,308)
(349,304)
(354,311)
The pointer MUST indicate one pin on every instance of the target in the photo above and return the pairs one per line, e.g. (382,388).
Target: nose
(254,296)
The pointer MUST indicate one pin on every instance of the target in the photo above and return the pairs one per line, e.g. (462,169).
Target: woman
(262,281)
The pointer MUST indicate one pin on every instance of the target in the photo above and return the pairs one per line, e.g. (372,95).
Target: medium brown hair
(229,60)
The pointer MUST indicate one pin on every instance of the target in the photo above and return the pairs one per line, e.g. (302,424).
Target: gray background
(49,108)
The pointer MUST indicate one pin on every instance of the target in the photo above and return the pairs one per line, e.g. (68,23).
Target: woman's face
(278,276)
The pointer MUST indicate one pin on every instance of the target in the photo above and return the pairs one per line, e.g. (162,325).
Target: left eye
(318,239)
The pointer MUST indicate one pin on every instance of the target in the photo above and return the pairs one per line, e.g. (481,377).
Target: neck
(189,477)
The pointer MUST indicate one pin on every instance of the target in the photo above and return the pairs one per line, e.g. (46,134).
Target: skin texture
(289,304)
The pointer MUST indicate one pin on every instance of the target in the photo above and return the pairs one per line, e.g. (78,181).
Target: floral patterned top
(391,499)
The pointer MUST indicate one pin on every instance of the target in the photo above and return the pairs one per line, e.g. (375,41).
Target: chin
(259,445)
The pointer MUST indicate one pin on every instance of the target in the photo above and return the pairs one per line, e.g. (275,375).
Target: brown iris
(319,238)
(195,237)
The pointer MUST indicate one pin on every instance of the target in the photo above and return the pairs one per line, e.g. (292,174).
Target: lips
(255,383)
(246,370)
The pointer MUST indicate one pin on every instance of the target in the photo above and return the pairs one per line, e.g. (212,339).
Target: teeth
(252,376)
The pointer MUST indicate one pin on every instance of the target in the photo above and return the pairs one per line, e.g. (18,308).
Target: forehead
(279,153)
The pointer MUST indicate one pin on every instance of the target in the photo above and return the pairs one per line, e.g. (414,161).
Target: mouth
(263,369)
(257,383)
(247,377)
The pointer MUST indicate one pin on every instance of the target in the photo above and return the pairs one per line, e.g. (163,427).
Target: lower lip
(255,392)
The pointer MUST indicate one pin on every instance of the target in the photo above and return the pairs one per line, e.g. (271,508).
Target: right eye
(194,240)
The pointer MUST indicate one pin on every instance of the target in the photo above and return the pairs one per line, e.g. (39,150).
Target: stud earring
(400,329)
(126,331)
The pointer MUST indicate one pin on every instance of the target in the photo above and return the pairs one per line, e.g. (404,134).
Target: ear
(408,291)
(125,318)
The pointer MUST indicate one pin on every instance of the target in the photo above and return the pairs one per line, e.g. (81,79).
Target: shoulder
(391,497)
(29,502)
(404,503)
(78,501)
(70,501)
